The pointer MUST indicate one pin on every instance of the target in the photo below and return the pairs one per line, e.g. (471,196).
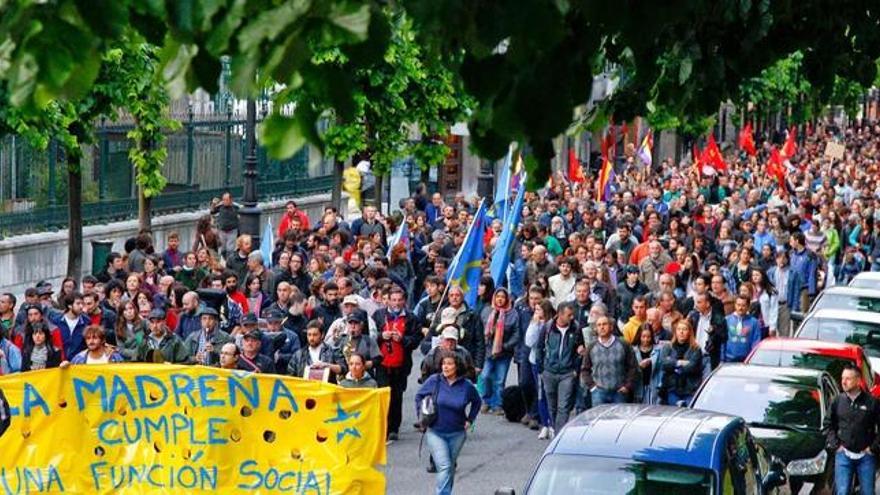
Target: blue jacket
(806,263)
(743,334)
(451,402)
(792,286)
(762,239)
(188,323)
(72,337)
(12,362)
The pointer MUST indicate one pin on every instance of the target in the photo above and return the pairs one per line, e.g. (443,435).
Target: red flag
(712,155)
(790,147)
(695,155)
(747,140)
(575,172)
(775,168)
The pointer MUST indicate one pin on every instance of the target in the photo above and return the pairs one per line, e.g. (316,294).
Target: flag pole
(457,260)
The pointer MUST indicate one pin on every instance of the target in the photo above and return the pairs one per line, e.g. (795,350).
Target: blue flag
(467,266)
(502,253)
(267,244)
(502,189)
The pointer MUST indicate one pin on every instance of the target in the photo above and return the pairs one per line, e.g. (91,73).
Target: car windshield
(866,335)
(580,475)
(832,364)
(845,301)
(769,402)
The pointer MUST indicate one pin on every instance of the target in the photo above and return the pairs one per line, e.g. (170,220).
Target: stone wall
(27,259)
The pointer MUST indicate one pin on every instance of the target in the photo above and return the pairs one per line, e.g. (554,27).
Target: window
(740,465)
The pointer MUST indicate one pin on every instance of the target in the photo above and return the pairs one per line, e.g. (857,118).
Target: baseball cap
(209,311)
(253,333)
(447,316)
(450,333)
(249,319)
(350,299)
(44,290)
(156,314)
(275,316)
(355,316)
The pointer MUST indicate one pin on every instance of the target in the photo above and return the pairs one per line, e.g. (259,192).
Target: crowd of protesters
(634,298)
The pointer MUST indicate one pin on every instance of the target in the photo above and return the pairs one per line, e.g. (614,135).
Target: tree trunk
(74,212)
(145,223)
(336,195)
(380,184)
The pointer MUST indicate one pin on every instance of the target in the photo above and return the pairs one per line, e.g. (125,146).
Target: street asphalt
(497,454)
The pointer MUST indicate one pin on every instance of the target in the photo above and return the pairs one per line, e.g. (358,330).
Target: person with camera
(447,405)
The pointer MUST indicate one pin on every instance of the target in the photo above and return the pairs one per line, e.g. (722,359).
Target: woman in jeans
(457,404)
(682,365)
(647,354)
(543,313)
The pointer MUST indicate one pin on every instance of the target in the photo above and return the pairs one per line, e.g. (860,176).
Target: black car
(784,408)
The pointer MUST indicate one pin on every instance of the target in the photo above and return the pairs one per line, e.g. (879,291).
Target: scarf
(496,325)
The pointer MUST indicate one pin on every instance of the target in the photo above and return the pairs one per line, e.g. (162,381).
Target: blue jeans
(541,402)
(601,396)
(445,448)
(494,373)
(672,398)
(844,468)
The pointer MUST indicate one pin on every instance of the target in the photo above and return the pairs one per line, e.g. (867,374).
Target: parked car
(816,355)
(784,409)
(851,327)
(845,298)
(866,280)
(633,448)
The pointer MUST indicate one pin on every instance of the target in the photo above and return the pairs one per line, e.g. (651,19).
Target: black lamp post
(249,214)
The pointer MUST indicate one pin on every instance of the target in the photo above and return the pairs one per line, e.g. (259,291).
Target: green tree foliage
(527,63)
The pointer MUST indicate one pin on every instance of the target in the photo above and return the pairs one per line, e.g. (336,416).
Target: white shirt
(315,353)
(71,323)
(703,326)
(104,359)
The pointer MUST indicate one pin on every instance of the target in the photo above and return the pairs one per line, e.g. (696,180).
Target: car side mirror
(681,403)
(505,491)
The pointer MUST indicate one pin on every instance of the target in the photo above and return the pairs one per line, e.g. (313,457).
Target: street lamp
(249,214)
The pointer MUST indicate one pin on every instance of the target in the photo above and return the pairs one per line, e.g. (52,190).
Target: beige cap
(447,316)
(449,332)
(351,299)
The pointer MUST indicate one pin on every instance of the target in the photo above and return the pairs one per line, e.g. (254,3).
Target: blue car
(638,449)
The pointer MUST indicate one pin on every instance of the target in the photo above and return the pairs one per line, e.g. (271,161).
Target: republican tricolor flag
(606,177)
(645,149)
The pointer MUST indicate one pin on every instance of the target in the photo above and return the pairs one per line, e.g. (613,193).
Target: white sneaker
(552,434)
(545,432)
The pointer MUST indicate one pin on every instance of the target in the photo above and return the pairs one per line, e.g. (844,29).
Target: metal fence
(205,158)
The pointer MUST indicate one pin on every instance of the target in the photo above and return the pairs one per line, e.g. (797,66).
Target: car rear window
(832,364)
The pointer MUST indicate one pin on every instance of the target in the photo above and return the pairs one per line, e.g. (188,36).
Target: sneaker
(533,425)
(484,408)
(526,420)
(545,432)
(552,434)
(392,437)
(498,411)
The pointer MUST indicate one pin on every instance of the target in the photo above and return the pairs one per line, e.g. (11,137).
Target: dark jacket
(511,337)
(470,334)
(717,338)
(218,338)
(302,358)
(411,334)
(625,297)
(681,380)
(548,355)
(53,358)
(171,349)
(853,424)
(263,363)
(327,314)
(188,323)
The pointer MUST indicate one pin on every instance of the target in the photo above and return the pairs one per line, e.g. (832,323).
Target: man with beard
(97,351)
(468,323)
(160,345)
(328,311)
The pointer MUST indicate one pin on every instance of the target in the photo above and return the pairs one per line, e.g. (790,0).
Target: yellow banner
(143,428)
